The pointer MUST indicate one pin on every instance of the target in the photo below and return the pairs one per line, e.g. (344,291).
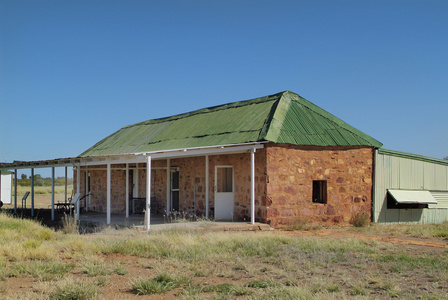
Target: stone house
(278,159)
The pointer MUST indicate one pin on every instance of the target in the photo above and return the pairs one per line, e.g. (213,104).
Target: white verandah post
(108,194)
(86,188)
(65,186)
(252,186)
(32,192)
(206,187)
(137,183)
(127,190)
(52,193)
(168,187)
(15,191)
(148,194)
(78,190)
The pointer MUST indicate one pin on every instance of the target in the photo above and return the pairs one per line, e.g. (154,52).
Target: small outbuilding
(410,188)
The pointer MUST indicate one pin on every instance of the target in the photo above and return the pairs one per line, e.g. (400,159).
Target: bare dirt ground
(423,243)
(118,286)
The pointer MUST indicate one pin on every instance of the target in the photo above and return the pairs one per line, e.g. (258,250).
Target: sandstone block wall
(283,184)
(290,172)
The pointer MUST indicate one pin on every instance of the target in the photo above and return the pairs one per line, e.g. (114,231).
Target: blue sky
(73,72)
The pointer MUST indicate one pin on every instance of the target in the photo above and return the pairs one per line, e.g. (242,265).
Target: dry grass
(219,265)
(413,230)
(42,195)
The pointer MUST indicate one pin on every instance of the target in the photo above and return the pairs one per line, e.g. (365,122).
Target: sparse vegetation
(70,288)
(42,195)
(202,264)
(305,224)
(69,224)
(413,230)
(160,284)
(360,220)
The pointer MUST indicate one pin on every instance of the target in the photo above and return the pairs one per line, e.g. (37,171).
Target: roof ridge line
(207,110)
(277,117)
(335,120)
(267,124)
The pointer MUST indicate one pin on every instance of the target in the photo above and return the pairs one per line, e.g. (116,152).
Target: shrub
(68,289)
(94,266)
(360,220)
(261,284)
(69,225)
(42,270)
(120,270)
(161,284)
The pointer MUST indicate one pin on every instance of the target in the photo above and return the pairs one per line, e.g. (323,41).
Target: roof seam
(192,137)
(333,121)
(201,136)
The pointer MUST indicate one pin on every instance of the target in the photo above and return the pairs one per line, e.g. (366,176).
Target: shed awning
(412,197)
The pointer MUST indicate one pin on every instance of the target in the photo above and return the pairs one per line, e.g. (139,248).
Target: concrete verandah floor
(158,222)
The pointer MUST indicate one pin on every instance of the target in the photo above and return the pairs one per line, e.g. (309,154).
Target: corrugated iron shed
(281,118)
(412,156)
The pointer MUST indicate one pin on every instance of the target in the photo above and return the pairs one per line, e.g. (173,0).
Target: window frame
(319,191)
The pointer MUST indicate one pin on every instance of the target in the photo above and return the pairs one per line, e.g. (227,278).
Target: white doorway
(224,193)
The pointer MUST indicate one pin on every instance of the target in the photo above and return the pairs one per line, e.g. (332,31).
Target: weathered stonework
(284,177)
(290,174)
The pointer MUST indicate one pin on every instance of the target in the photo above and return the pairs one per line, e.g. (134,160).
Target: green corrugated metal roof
(281,118)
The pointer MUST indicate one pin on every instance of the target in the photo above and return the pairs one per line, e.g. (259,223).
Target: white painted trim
(120,168)
(252,186)
(86,188)
(140,157)
(127,190)
(148,194)
(32,192)
(132,157)
(207,187)
(168,187)
(65,186)
(15,191)
(201,152)
(78,190)
(52,193)
(246,145)
(108,209)
(136,181)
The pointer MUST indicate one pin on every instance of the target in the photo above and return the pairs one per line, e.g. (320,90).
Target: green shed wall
(395,171)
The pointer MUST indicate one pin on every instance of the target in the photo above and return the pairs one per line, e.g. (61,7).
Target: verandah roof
(281,118)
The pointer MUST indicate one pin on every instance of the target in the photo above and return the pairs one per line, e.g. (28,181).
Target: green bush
(161,284)
(360,220)
(81,290)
